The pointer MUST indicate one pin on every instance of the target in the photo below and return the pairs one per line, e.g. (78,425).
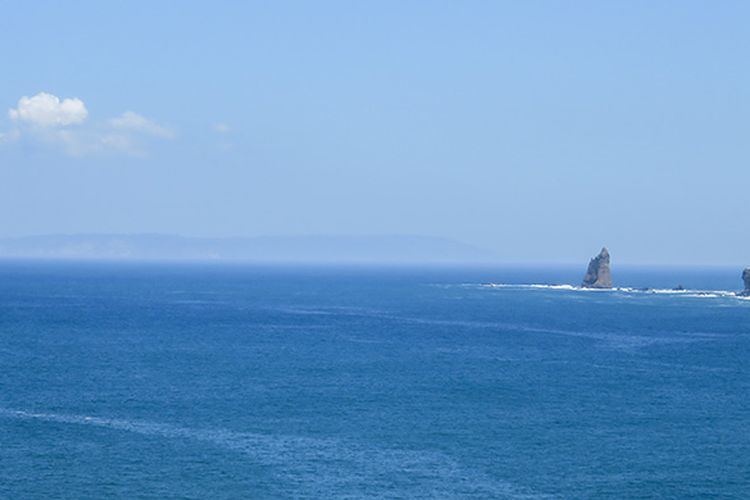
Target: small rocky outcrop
(746,279)
(598,274)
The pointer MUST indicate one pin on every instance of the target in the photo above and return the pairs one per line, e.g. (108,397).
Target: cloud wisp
(221,128)
(133,122)
(47,120)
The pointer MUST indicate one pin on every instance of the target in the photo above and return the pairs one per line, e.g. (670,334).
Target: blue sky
(539,130)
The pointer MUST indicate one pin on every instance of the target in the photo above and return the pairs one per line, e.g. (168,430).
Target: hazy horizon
(288,249)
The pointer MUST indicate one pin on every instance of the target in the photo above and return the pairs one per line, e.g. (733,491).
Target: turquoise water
(189,381)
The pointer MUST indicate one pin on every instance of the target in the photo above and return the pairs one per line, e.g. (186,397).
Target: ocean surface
(228,381)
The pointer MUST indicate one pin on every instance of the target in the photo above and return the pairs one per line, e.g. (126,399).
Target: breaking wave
(629,290)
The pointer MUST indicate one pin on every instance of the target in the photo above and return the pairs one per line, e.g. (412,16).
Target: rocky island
(598,274)
(746,279)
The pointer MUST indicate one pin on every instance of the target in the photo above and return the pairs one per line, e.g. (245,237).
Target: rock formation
(746,279)
(598,274)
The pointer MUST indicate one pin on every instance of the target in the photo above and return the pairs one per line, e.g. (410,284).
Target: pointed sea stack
(598,274)
(746,279)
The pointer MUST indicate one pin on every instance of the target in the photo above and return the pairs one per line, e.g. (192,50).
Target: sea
(219,381)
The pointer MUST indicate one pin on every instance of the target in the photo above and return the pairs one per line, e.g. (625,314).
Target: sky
(539,130)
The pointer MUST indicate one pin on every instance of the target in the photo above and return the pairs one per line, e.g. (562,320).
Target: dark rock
(678,288)
(746,279)
(598,274)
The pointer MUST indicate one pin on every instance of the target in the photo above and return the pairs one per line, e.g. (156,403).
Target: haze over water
(190,381)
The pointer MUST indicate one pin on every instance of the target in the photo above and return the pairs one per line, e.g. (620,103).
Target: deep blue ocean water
(210,381)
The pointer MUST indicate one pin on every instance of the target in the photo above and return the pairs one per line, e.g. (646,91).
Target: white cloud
(47,110)
(47,120)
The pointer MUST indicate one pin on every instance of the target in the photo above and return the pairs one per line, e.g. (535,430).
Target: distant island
(746,279)
(598,274)
(281,249)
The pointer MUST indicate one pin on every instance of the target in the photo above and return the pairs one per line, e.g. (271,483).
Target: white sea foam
(628,290)
(533,285)
(319,467)
(541,286)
